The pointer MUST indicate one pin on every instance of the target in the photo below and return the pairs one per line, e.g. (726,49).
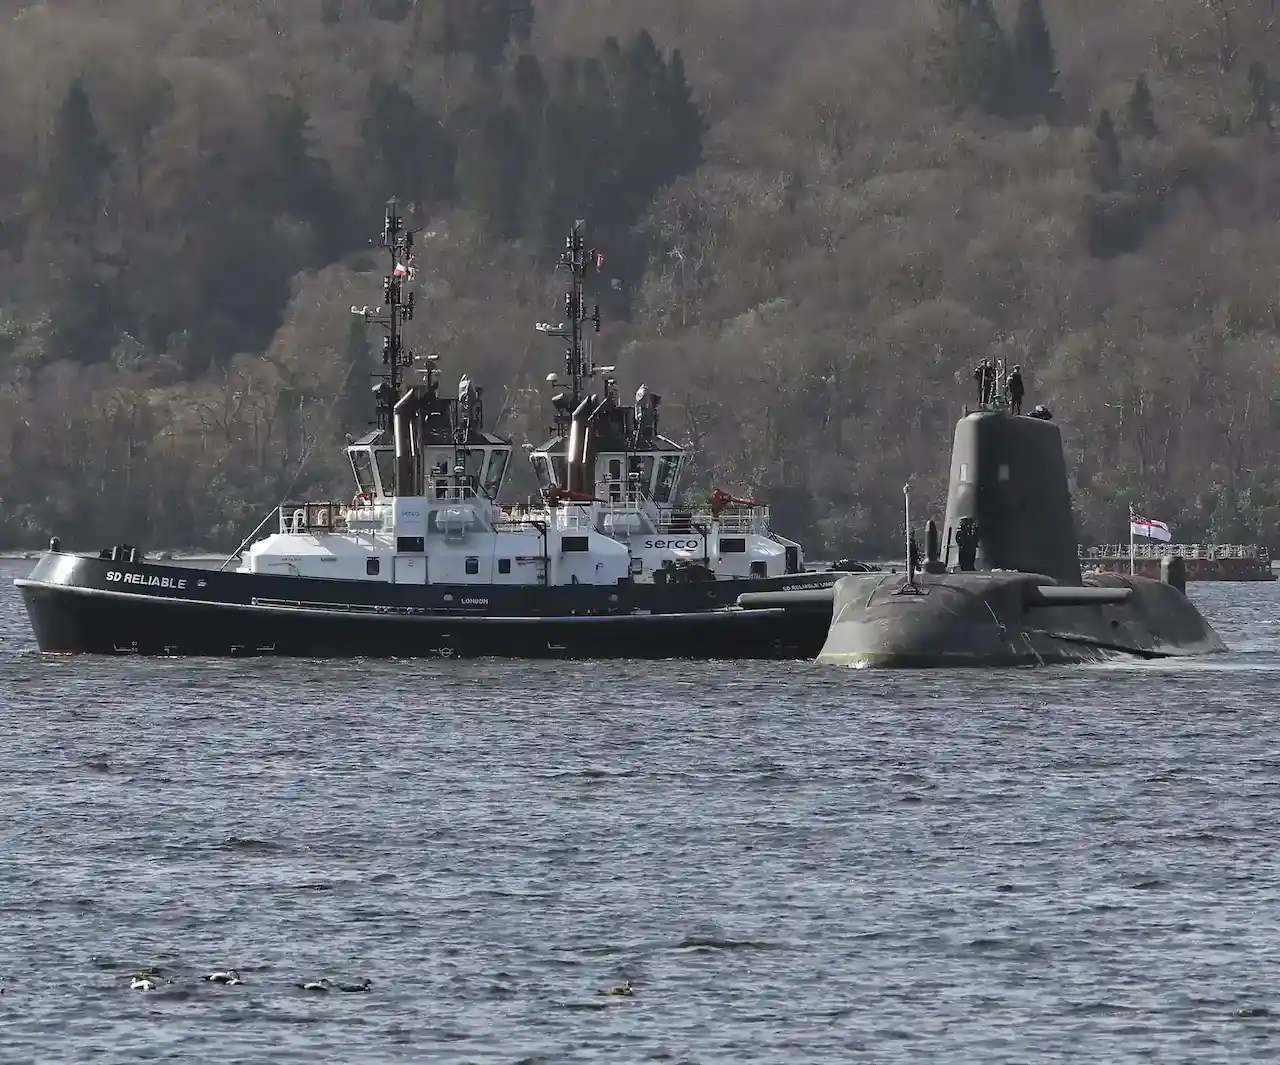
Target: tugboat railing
(579,517)
(733,519)
(453,493)
(327,516)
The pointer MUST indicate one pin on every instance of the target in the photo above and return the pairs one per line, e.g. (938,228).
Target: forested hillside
(817,217)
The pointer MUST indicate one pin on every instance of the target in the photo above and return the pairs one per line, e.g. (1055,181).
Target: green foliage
(390,10)
(1260,98)
(977,64)
(482,29)
(971,56)
(298,182)
(68,271)
(1140,110)
(601,141)
(1105,153)
(411,154)
(1034,72)
(77,164)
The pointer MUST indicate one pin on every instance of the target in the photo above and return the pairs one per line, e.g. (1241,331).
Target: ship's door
(410,569)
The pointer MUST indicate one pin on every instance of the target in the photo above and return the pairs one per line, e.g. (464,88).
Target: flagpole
(1132,550)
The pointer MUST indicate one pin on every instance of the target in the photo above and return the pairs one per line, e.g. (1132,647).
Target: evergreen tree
(1034,70)
(528,84)
(77,163)
(1105,153)
(391,10)
(592,118)
(553,192)
(644,151)
(482,29)
(1140,111)
(535,108)
(1260,103)
(70,274)
(686,124)
(970,56)
(413,153)
(299,182)
(492,163)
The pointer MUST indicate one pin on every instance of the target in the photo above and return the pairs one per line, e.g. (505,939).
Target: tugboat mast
(577,259)
(397,309)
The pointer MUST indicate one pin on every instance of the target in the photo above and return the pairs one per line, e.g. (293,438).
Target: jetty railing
(1111,552)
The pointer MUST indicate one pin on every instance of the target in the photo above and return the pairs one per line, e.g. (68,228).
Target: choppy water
(790,863)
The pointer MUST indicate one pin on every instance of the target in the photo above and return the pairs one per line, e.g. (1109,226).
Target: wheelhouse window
(471,459)
(643,465)
(473,566)
(495,471)
(362,467)
(668,472)
(386,459)
(550,470)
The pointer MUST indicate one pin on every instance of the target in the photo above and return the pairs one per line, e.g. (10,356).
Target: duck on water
(425,562)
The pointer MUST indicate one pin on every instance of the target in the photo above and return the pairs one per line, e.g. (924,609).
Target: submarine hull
(1009,619)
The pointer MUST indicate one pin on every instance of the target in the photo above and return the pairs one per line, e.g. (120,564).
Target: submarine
(1003,587)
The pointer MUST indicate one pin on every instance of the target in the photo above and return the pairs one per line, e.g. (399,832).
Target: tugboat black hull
(1009,619)
(96,606)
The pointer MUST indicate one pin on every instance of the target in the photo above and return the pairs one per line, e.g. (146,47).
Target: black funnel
(1008,474)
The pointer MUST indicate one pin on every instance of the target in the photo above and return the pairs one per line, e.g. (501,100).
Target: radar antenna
(577,258)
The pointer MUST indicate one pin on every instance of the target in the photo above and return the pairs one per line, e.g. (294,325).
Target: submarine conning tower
(1009,478)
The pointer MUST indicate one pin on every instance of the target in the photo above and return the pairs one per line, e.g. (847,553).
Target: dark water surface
(790,863)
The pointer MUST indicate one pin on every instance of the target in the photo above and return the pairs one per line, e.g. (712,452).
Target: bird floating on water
(230,977)
(623,989)
(317,985)
(142,983)
(364,985)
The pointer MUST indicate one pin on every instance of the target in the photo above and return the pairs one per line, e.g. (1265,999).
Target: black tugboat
(425,562)
(1005,587)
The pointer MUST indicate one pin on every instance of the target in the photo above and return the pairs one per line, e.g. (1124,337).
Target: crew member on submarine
(985,375)
(1014,390)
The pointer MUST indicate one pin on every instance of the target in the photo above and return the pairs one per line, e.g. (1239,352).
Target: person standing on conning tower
(985,375)
(1014,390)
